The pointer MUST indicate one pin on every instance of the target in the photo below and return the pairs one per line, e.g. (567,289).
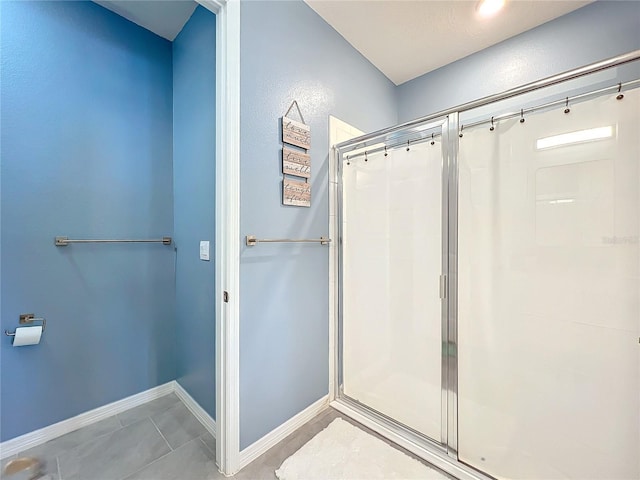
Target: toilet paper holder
(27,318)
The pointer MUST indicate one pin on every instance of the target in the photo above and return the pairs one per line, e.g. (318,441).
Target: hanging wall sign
(296,163)
(296,193)
(296,133)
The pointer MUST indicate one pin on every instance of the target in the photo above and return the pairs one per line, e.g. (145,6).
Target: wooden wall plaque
(296,193)
(296,163)
(296,133)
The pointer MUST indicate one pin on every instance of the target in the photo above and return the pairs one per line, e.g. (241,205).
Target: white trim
(227,244)
(333,230)
(194,407)
(339,131)
(215,6)
(278,434)
(42,435)
(223,193)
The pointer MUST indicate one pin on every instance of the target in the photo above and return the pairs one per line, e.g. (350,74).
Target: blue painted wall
(592,33)
(86,151)
(290,53)
(194,149)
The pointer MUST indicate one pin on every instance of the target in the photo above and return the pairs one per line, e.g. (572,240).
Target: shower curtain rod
(407,142)
(359,142)
(617,87)
(564,101)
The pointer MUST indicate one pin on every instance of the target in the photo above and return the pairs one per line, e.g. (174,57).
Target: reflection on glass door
(549,294)
(392,256)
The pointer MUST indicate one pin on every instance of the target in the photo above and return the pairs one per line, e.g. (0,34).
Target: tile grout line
(168,407)
(157,459)
(163,437)
(207,446)
(120,426)
(67,450)
(148,464)
(171,450)
(120,420)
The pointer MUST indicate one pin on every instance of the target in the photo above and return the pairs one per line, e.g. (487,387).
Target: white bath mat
(344,452)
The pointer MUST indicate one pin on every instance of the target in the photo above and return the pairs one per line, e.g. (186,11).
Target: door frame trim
(227,221)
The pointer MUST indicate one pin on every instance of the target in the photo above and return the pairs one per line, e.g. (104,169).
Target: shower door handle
(443,287)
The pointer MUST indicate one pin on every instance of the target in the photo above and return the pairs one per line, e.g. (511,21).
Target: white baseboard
(38,437)
(253,451)
(278,434)
(195,408)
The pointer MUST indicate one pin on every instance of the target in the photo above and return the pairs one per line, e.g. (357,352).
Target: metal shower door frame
(445,454)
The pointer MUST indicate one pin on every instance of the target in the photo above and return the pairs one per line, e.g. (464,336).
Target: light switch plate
(204,250)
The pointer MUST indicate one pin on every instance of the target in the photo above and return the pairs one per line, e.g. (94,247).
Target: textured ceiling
(407,38)
(163,17)
(402,38)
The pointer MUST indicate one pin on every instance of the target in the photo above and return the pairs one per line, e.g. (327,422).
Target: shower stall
(488,291)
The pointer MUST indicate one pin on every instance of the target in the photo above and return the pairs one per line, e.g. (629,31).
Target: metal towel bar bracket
(64,241)
(253,241)
(28,318)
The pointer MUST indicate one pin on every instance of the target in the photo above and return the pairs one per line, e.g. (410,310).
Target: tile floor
(160,440)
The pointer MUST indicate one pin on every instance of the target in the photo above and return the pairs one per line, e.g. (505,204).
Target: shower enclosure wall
(489,280)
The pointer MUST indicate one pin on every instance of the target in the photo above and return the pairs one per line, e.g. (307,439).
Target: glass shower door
(549,294)
(391,263)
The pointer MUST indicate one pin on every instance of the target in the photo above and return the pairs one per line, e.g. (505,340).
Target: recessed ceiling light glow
(580,136)
(487,8)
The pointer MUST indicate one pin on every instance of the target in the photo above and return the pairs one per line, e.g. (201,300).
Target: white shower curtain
(549,294)
(392,260)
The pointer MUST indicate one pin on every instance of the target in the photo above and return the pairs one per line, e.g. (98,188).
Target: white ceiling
(408,38)
(163,17)
(402,38)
